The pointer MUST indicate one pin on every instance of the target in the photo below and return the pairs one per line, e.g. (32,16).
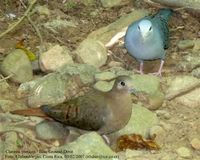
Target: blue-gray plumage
(147,38)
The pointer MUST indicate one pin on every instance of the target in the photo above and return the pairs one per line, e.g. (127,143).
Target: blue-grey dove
(147,38)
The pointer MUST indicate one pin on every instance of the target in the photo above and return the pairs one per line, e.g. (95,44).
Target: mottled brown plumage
(104,112)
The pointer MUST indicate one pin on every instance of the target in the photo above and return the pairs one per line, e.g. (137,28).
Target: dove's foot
(159,74)
(106,139)
(139,71)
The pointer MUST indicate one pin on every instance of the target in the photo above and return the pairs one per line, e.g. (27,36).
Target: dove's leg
(141,67)
(159,73)
(106,139)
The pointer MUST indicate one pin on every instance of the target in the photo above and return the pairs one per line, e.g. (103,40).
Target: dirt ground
(183,25)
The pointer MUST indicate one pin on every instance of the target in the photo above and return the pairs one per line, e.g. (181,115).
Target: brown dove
(104,112)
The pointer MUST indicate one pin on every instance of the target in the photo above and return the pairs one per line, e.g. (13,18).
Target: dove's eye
(138,27)
(122,83)
(150,28)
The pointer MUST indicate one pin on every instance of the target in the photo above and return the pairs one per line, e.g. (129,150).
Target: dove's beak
(133,91)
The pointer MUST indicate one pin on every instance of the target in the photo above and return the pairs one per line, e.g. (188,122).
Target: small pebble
(195,143)
(183,152)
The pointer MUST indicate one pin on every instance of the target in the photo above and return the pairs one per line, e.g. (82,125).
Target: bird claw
(106,139)
(159,74)
(140,72)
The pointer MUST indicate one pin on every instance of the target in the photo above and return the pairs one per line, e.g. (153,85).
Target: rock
(195,143)
(35,65)
(179,83)
(17,64)
(8,105)
(103,86)
(110,3)
(185,44)
(196,48)
(115,64)
(160,134)
(88,146)
(133,153)
(183,152)
(155,100)
(146,83)
(53,59)
(106,33)
(9,143)
(88,2)
(191,99)
(196,72)
(54,88)
(73,135)
(53,130)
(163,114)
(140,122)
(61,25)
(189,62)
(92,52)
(104,76)
(190,4)
(43,10)
(4,87)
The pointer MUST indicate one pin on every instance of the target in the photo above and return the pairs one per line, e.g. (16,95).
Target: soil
(183,25)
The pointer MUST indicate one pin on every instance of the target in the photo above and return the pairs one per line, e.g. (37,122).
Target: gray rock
(106,33)
(88,146)
(54,88)
(196,72)
(183,152)
(140,122)
(104,76)
(103,86)
(185,44)
(146,83)
(17,64)
(92,52)
(51,130)
(191,4)
(110,3)
(53,59)
(57,25)
(189,62)
(191,99)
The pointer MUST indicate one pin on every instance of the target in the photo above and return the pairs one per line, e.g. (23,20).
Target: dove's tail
(31,112)
(165,13)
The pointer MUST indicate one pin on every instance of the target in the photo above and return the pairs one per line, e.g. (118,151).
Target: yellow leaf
(31,55)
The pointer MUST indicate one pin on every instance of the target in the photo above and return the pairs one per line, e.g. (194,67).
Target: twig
(21,1)
(20,20)
(182,91)
(5,78)
(36,29)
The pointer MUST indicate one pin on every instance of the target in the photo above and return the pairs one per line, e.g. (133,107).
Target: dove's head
(145,28)
(124,84)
